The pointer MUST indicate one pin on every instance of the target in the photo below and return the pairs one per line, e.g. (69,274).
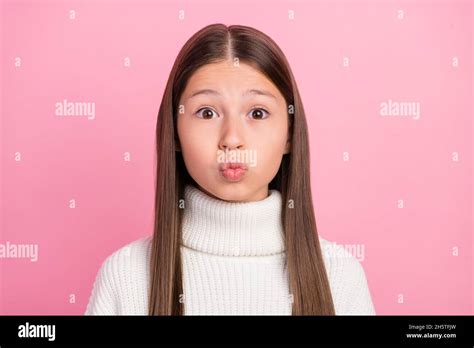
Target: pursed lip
(235,165)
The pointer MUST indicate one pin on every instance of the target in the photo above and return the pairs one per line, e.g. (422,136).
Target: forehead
(227,78)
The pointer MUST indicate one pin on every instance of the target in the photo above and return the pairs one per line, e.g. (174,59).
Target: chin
(232,192)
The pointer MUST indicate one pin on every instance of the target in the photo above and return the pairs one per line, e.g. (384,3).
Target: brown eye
(259,113)
(207,113)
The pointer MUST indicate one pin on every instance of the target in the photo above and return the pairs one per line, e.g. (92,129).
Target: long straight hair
(307,278)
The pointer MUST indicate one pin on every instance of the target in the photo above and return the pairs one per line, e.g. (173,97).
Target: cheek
(270,148)
(273,137)
(268,160)
(197,146)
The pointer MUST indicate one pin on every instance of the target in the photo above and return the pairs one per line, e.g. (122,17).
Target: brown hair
(308,282)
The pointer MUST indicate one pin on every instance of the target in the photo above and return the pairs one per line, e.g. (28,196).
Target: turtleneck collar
(226,228)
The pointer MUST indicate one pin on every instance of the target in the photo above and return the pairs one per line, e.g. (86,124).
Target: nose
(232,133)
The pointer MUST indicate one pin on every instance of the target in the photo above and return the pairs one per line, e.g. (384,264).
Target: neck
(225,228)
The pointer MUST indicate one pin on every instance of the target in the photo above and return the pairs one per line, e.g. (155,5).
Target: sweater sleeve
(103,299)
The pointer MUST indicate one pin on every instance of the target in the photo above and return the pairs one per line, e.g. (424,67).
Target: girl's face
(232,113)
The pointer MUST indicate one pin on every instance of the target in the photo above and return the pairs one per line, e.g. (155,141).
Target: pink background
(407,251)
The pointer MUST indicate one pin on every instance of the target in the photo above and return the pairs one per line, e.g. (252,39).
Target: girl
(235,231)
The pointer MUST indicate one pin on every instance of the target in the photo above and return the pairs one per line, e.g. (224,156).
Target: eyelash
(254,108)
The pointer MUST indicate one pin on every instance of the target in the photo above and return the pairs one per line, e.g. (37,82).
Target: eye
(207,114)
(259,113)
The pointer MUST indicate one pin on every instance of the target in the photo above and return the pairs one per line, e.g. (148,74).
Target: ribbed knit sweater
(232,262)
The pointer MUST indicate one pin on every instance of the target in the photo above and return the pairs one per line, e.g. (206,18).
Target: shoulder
(129,261)
(347,278)
(337,258)
(121,282)
(133,251)
(130,257)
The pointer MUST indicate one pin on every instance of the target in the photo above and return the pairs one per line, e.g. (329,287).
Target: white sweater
(233,263)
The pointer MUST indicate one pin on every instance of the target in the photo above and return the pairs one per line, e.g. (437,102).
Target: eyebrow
(249,91)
